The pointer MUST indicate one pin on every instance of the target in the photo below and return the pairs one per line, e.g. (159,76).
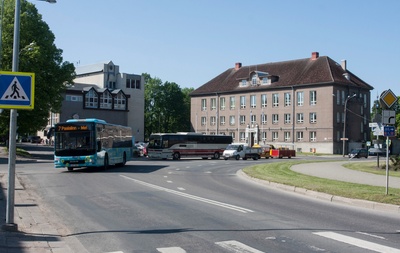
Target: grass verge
(280,172)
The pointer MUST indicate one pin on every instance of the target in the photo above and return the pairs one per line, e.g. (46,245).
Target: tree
(37,54)
(167,107)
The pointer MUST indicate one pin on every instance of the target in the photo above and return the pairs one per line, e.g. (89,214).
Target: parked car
(358,153)
(35,139)
(377,151)
(135,151)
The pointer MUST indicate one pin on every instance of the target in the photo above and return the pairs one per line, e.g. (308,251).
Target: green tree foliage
(37,54)
(167,107)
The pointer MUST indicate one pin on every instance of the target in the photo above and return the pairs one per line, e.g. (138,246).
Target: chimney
(238,65)
(344,64)
(314,55)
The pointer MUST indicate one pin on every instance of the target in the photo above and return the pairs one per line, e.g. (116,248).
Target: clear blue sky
(189,42)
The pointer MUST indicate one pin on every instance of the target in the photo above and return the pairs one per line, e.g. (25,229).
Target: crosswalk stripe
(358,242)
(235,246)
(171,250)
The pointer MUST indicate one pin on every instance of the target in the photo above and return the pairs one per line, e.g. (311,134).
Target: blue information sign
(17,90)
(388,131)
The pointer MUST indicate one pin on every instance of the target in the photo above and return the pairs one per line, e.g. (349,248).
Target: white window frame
(313,117)
(275,99)
(253,101)
(299,136)
(275,118)
(232,101)
(287,117)
(275,136)
(203,121)
(242,102)
(287,136)
(232,120)
(287,99)
(213,104)
(300,118)
(222,120)
(242,119)
(263,119)
(263,100)
(313,136)
(222,103)
(313,97)
(204,104)
(300,98)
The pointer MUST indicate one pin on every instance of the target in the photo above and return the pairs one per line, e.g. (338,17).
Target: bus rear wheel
(176,156)
(70,169)
(216,155)
(123,161)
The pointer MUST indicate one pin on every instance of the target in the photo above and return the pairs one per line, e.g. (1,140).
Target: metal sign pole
(387,165)
(10,225)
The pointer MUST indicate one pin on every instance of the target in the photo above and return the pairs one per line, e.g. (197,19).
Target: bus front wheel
(176,156)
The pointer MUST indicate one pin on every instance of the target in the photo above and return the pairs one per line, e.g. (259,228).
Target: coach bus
(177,145)
(91,143)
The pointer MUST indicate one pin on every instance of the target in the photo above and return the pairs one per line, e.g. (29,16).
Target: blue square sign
(388,131)
(17,90)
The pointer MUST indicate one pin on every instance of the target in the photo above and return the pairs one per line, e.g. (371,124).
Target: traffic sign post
(17,90)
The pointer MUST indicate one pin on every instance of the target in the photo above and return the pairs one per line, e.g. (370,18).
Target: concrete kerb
(325,196)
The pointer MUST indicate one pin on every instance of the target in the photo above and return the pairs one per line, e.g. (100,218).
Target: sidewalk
(35,234)
(335,171)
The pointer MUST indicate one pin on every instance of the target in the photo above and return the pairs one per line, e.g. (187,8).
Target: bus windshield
(70,143)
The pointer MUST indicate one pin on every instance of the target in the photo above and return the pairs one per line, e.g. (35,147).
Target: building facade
(302,104)
(101,91)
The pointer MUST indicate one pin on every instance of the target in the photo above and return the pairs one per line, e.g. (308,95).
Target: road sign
(17,90)
(388,98)
(389,131)
(388,117)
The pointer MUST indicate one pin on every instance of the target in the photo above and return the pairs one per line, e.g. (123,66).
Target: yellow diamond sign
(389,98)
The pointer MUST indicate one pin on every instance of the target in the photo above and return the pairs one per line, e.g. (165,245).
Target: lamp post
(10,225)
(344,121)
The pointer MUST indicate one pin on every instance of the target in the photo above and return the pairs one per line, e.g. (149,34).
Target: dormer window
(243,83)
(266,81)
(254,80)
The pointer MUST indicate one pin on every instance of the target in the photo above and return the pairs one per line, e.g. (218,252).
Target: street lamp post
(10,225)
(344,121)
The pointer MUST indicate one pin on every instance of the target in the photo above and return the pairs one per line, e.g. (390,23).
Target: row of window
(341,98)
(287,101)
(274,136)
(101,100)
(287,119)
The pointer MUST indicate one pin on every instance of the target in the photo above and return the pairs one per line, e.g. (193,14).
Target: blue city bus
(91,143)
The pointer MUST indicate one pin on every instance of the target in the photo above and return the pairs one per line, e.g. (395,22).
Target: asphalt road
(199,206)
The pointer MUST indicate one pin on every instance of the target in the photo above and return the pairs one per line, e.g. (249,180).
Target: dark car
(358,152)
(35,139)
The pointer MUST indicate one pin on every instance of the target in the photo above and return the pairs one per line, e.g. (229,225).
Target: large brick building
(301,103)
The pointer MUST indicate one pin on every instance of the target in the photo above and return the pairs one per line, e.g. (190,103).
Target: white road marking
(376,236)
(169,181)
(208,201)
(171,250)
(181,189)
(235,246)
(357,242)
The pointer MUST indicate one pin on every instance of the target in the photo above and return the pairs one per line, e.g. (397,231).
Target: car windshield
(232,147)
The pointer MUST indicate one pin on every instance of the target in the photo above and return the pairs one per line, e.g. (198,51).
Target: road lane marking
(235,246)
(208,201)
(376,236)
(358,242)
(171,250)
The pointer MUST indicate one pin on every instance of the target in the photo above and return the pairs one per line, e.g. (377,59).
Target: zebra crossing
(239,247)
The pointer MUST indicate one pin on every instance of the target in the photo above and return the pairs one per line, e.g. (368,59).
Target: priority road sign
(17,90)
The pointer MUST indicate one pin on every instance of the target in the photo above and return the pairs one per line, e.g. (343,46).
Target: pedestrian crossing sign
(17,90)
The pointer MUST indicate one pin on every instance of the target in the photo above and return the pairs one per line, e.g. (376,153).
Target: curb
(324,196)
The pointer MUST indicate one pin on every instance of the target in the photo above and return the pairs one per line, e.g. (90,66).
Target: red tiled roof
(320,71)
